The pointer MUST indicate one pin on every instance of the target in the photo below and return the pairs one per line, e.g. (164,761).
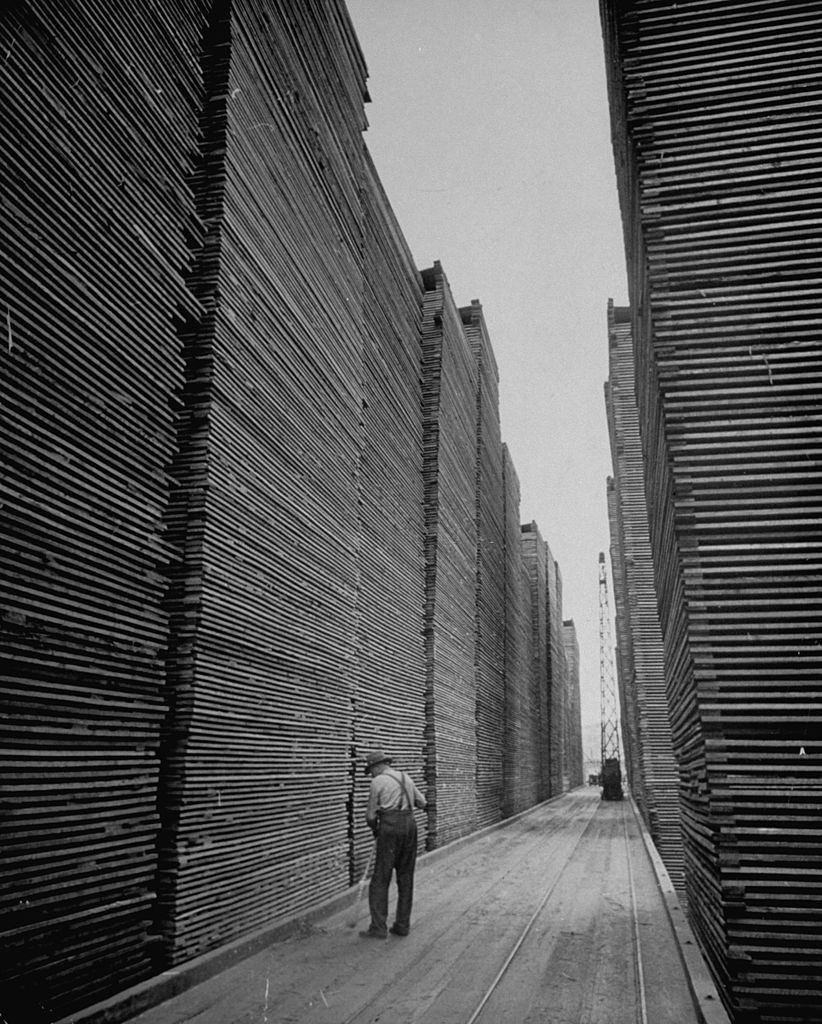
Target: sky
(489,128)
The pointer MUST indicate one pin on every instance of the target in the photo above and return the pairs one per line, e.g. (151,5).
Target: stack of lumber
(574,718)
(520,765)
(390,696)
(633,766)
(535,558)
(259,828)
(557,703)
(450,446)
(257,518)
(717,129)
(99,118)
(639,637)
(490,573)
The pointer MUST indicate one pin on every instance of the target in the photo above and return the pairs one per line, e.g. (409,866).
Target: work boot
(395,930)
(372,933)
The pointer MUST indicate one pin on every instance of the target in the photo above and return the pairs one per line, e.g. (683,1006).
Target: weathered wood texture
(390,708)
(255,517)
(715,111)
(450,446)
(633,755)
(490,573)
(521,725)
(641,669)
(260,829)
(573,719)
(557,711)
(535,558)
(99,116)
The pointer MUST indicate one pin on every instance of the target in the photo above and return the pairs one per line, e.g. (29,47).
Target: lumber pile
(257,828)
(717,130)
(535,558)
(633,754)
(521,765)
(490,573)
(390,707)
(99,118)
(557,674)
(641,669)
(450,445)
(258,514)
(573,720)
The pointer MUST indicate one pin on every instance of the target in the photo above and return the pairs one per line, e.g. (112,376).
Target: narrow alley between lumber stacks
(556,917)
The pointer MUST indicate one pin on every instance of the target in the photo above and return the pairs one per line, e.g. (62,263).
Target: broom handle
(368,865)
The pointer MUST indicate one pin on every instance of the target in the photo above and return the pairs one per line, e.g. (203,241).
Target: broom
(354,913)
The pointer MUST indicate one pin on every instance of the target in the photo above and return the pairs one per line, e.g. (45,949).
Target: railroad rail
(482,896)
(544,906)
(573,832)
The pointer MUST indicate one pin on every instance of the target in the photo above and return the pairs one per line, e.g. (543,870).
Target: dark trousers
(396,851)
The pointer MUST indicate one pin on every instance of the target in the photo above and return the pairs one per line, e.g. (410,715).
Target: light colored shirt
(386,794)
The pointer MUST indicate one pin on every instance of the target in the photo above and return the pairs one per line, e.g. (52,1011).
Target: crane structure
(610,770)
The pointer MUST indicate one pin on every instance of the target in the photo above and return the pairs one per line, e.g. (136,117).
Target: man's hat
(374,757)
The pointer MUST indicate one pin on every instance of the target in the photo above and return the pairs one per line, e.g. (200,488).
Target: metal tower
(608,701)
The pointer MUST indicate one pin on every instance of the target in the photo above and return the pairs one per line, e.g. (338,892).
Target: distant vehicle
(593,779)
(611,779)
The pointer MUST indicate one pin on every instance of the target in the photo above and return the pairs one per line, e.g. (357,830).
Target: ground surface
(599,945)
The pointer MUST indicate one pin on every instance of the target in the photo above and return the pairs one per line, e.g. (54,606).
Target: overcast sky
(489,129)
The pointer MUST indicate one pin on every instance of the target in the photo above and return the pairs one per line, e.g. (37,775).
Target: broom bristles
(354,913)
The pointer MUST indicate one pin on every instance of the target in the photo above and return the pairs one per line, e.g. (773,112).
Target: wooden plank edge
(707,1003)
(173,982)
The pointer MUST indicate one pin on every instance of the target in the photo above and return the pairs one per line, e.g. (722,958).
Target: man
(390,816)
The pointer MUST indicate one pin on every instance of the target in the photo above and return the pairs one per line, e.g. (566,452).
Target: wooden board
(258,515)
(100,119)
(390,703)
(450,445)
(650,763)
(521,775)
(573,719)
(259,768)
(535,558)
(717,138)
(490,573)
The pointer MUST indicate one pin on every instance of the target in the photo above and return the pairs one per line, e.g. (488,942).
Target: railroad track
(478,1012)
(484,895)
(586,1013)
(550,919)
(529,968)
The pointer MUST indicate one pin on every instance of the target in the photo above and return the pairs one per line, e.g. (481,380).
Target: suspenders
(404,792)
(399,817)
